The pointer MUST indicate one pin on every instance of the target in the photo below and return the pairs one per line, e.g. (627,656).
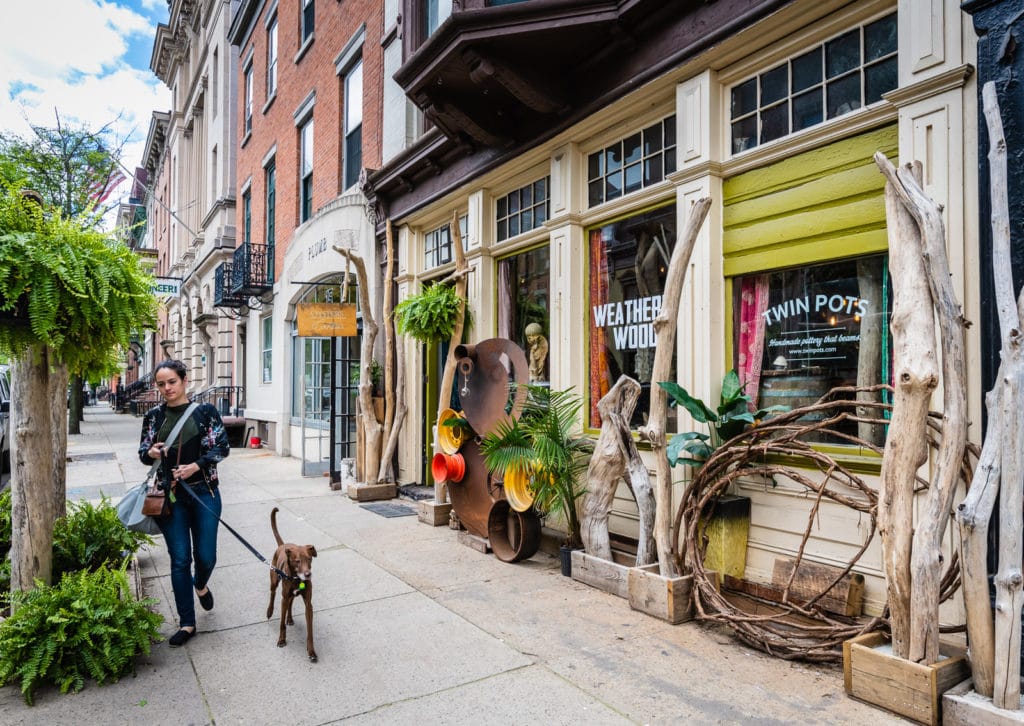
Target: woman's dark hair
(175,365)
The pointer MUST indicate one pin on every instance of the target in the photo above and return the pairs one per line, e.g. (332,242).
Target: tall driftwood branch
(395,408)
(616,457)
(372,428)
(1009,579)
(445,394)
(926,557)
(916,371)
(665,330)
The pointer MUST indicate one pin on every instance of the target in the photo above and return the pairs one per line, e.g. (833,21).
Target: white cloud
(70,55)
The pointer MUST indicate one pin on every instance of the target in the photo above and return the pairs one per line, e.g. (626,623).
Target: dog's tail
(273,526)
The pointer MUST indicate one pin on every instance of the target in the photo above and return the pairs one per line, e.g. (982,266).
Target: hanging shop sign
(326,320)
(166,286)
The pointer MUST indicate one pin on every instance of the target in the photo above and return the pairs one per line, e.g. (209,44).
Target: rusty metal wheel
(514,536)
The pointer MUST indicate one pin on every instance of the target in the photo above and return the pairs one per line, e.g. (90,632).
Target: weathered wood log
(372,429)
(831,588)
(616,458)
(1009,581)
(394,372)
(665,330)
(916,371)
(926,555)
(448,377)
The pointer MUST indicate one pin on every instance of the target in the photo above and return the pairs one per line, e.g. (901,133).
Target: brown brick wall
(336,22)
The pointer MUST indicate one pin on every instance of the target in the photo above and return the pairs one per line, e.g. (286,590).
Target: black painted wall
(1000,28)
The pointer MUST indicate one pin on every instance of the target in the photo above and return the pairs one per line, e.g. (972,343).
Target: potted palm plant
(546,444)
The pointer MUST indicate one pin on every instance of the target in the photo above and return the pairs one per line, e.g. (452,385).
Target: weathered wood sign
(326,320)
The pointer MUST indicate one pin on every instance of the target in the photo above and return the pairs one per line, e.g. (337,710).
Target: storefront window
(523,284)
(628,265)
(801,332)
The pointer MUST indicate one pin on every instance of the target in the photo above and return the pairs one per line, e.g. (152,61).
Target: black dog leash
(239,537)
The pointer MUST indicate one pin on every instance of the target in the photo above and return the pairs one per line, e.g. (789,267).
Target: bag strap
(192,406)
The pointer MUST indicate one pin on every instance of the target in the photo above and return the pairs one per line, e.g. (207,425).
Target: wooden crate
(667,598)
(433,513)
(602,574)
(874,675)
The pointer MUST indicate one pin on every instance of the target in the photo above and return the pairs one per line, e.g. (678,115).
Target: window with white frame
(632,163)
(306,170)
(247,217)
(267,348)
(353,125)
(843,74)
(270,209)
(438,244)
(272,59)
(308,19)
(435,13)
(524,209)
(248,99)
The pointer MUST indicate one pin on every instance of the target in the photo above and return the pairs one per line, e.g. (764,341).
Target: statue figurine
(538,351)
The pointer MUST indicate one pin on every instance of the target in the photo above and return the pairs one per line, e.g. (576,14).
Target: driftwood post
(616,457)
(665,330)
(395,408)
(448,377)
(372,429)
(1010,432)
(916,375)
(926,555)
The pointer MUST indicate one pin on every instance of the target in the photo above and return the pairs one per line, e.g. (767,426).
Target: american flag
(105,185)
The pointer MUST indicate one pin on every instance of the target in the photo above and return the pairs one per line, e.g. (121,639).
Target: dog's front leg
(291,601)
(273,592)
(286,608)
(307,601)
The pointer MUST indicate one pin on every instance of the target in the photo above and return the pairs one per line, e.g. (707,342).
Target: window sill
(245,139)
(305,46)
(270,100)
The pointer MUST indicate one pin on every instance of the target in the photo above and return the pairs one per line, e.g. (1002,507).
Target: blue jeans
(191,531)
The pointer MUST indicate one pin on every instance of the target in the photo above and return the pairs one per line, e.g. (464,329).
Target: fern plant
(91,536)
(88,626)
(430,315)
(544,442)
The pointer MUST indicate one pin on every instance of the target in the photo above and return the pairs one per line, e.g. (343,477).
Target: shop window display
(798,333)
(523,291)
(628,265)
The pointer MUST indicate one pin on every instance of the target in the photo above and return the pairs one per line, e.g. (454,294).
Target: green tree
(70,297)
(73,168)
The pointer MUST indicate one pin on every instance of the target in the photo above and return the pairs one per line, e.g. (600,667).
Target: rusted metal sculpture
(484,374)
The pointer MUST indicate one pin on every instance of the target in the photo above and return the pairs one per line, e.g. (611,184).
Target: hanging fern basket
(431,315)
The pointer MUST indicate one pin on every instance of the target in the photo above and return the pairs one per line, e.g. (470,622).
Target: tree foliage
(69,165)
(82,292)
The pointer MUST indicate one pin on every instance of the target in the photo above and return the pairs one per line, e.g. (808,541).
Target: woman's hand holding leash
(156,450)
(184,471)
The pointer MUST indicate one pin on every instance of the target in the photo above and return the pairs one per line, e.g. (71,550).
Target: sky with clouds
(88,59)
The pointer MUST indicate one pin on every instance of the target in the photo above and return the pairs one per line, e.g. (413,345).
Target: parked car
(5,419)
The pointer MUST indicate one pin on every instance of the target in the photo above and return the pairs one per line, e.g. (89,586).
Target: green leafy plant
(544,442)
(730,419)
(88,626)
(376,375)
(91,536)
(430,315)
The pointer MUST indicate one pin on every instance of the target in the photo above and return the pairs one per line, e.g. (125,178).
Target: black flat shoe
(180,638)
(206,600)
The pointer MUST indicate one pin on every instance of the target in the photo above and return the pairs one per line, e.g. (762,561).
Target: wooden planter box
(667,598)
(873,674)
(600,573)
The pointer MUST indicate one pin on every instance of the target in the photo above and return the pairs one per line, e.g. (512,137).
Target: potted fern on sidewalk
(546,444)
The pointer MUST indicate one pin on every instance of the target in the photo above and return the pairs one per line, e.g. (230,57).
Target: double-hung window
(272,59)
(270,180)
(267,347)
(247,217)
(353,125)
(308,19)
(248,99)
(306,170)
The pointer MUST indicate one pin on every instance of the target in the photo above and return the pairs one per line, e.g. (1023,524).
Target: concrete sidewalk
(410,627)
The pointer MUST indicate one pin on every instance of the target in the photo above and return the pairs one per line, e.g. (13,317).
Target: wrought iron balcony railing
(222,283)
(252,270)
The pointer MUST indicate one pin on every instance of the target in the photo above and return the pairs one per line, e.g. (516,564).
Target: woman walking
(191,529)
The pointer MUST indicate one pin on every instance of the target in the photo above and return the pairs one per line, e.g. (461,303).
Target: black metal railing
(228,400)
(252,269)
(222,283)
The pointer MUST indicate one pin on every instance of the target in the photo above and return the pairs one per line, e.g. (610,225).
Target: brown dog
(296,561)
